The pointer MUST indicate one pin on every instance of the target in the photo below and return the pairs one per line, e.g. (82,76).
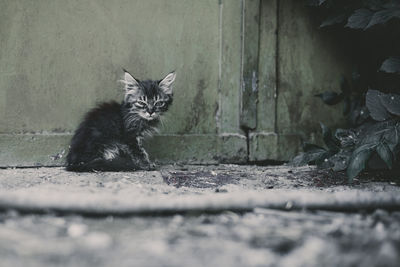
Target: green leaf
(391,103)
(376,108)
(391,65)
(374,5)
(383,16)
(346,137)
(369,146)
(312,155)
(330,98)
(391,138)
(360,18)
(373,135)
(310,147)
(316,155)
(358,113)
(386,155)
(299,160)
(331,142)
(340,161)
(358,160)
(334,19)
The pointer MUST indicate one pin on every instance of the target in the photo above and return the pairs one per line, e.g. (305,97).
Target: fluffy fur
(110,136)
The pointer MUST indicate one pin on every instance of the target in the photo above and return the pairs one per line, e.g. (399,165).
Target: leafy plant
(358,14)
(353,149)
(373,140)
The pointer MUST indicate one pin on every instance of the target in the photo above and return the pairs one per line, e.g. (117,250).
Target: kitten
(110,136)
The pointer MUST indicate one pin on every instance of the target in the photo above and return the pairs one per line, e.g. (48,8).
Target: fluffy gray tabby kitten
(110,136)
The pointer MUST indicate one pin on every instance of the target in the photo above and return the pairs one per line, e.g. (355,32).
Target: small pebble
(217,190)
(76,230)
(289,205)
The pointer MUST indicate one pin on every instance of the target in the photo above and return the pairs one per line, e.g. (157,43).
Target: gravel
(225,215)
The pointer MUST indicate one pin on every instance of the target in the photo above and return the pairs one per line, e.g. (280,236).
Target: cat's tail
(100,164)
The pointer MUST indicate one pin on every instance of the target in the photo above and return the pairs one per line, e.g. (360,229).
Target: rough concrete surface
(223,215)
(60,58)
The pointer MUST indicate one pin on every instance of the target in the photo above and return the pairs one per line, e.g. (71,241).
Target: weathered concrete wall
(60,58)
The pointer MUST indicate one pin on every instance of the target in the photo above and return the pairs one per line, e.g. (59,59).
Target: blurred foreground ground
(225,215)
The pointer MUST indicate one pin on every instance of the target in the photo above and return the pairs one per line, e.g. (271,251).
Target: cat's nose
(150,109)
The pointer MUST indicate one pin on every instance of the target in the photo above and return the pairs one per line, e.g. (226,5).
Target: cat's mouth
(149,117)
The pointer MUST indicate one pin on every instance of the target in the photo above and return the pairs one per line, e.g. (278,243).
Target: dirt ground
(183,215)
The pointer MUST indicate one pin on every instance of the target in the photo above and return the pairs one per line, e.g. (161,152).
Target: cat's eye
(140,104)
(160,104)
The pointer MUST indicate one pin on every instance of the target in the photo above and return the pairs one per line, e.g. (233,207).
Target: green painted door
(296,60)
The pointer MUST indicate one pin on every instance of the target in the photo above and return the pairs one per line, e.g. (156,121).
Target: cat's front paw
(147,166)
(152,166)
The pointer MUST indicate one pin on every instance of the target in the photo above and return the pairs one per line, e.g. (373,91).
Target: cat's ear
(166,83)
(131,84)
